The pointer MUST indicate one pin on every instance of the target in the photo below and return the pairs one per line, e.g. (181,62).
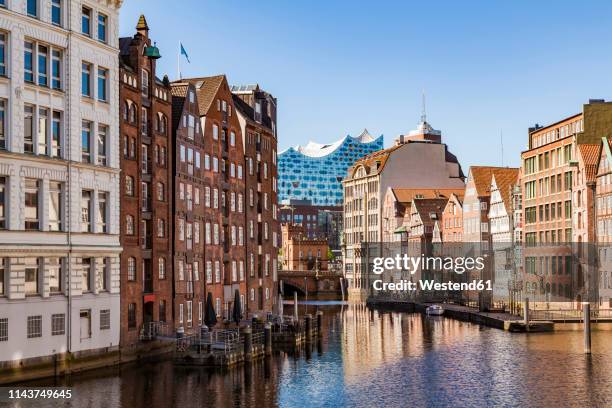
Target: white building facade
(59,178)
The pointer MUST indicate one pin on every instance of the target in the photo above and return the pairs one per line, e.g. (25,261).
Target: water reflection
(369,358)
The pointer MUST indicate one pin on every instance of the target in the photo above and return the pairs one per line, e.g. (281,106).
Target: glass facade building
(314,172)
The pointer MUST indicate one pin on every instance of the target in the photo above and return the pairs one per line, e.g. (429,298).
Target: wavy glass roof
(314,172)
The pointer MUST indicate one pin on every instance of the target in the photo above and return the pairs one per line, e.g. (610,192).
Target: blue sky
(337,67)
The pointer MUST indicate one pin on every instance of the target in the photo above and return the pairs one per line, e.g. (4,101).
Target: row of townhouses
(543,227)
(127,202)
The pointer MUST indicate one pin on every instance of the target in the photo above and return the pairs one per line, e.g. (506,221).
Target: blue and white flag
(183,52)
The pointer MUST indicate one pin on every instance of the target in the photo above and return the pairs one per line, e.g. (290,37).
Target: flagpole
(179,62)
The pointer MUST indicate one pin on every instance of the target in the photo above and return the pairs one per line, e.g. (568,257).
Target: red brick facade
(257,111)
(146,163)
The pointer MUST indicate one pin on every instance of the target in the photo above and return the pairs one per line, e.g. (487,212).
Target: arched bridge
(311,283)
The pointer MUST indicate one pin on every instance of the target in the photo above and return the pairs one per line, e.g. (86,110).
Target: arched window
(129,224)
(161,268)
(161,228)
(129,186)
(126,111)
(131,269)
(132,108)
(161,194)
(164,124)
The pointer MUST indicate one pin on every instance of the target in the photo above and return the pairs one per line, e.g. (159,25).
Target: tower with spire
(424,132)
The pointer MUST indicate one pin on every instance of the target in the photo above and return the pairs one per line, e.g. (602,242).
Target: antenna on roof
(423,111)
(501,141)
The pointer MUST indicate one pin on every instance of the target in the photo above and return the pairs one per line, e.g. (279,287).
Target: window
(2,54)
(215,132)
(145,82)
(129,224)
(28,129)
(31,205)
(102,138)
(56,69)
(102,19)
(161,268)
(161,228)
(144,121)
(86,79)
(58,324)
(56,12)
(32,8)
(55,206)
(102,87)
(132,316)
(2,124)
(32,270)
(28,61)
(34,325)
(86,21)
(131,269)
(43,57)
(86,275)
(4,329)
(105,319)
(85,211)
(43,125)
(86,141)
(161,193)
(102,270)
(56,135)
(102,225)
(129,186)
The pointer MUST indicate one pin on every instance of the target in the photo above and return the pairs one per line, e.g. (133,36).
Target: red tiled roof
(590,156)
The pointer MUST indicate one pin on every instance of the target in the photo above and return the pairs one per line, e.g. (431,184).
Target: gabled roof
(406,195)
(590,157)
(483,175)
(206,90)
(179,93)
(426,207)
(505,181)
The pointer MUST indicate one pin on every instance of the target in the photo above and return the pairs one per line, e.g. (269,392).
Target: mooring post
(308,324)
(526,313)
(319,323)
(586,307)
(247,332)
(268,339)
(295,306)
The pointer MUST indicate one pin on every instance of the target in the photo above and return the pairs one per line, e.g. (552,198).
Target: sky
(489,69)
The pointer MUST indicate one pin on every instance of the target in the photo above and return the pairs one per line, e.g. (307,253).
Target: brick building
(146,185)
(300,252)
(190,197)
(557,179)
(256,111)
(223,213)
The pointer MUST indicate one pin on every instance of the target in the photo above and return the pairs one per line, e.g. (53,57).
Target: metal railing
(216,342)
(568,314)
(152,330)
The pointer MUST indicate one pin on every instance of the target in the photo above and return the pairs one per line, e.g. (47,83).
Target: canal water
(375,359)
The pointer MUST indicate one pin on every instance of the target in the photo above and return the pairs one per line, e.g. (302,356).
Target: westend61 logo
(424,264)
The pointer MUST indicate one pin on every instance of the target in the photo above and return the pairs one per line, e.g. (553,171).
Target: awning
(400,230)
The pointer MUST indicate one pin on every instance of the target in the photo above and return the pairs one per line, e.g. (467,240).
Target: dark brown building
(146,163)
(223,194)
(191,195)
(257,113)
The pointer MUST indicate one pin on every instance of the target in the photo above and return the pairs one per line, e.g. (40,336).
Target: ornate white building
(59,178)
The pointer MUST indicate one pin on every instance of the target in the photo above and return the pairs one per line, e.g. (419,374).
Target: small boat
(434,310)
